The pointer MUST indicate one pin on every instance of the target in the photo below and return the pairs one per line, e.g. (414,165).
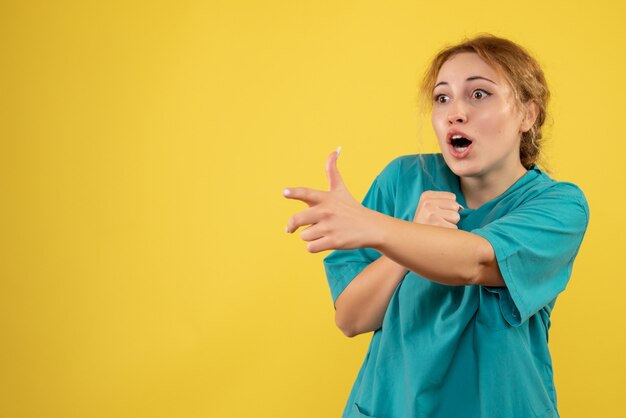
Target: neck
(481,189)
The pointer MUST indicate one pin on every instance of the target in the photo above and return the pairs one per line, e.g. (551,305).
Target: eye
(441,98)
(480,94)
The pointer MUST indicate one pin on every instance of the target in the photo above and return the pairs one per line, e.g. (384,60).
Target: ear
(531,111)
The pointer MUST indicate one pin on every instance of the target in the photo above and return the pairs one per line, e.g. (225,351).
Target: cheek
(439,125)
(498,121)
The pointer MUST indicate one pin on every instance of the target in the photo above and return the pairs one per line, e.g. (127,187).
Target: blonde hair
(520,69)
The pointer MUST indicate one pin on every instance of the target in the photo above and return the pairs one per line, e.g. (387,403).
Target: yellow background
(144,146)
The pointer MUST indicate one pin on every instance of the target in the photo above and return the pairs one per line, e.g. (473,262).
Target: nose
(457,113)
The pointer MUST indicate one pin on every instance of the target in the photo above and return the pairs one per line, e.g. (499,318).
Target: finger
(441,222)
(321,244)
(312,233)
(335,181)
(434,194)
(438,204)
(309,196)
(449,204)
(449,225)
(451,216)
(306,217)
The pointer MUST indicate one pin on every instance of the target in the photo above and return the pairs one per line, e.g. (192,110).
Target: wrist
(379,233)
(377,226)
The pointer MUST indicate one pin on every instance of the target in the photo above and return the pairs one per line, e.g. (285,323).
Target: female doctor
(455,259)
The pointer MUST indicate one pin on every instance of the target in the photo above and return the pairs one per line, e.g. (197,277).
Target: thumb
(335,182)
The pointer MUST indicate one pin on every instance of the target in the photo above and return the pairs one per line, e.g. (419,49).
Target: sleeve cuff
(511,301)
(340,275)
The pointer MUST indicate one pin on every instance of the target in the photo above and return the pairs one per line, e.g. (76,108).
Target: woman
(455,260)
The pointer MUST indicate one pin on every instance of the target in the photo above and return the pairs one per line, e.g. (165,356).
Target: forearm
(443,255)
(362,305)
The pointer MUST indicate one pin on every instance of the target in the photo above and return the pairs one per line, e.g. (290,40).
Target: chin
(464,172)
(464,168)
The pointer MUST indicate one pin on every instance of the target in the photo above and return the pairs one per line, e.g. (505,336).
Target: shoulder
(562,190)
(409,175)
(413,165)
(556,196)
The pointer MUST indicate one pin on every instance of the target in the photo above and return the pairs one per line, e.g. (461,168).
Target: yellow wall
(144,268)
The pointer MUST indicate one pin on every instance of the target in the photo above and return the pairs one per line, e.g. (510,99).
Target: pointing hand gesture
(336,220)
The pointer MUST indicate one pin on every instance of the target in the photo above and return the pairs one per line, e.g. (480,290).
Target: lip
(459,155)
(453,151)
(453,132)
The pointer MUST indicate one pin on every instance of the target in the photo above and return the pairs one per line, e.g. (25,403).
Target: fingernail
(338,151)
(461,207)
(286,192)
(287,229)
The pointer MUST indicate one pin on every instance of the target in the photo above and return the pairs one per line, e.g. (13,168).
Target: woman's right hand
(438,209)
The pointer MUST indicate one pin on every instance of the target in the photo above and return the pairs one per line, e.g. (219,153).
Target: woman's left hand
(337,221)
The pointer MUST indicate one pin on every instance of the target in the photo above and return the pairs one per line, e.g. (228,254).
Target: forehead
(464,65)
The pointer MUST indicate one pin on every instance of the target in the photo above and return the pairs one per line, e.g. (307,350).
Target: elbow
(352,328)
(485,269)
(350,333)
(350,324)
(347,327)
(353,320)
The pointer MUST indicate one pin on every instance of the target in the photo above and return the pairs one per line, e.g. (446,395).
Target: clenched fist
(438,209)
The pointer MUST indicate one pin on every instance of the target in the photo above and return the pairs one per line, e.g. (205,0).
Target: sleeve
(342,266)
(535,246)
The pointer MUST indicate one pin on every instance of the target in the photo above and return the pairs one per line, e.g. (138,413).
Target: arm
(362,305)
(337,221)
(443,255)
(454,258)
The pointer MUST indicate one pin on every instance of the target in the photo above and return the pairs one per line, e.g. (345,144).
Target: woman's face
(475,118)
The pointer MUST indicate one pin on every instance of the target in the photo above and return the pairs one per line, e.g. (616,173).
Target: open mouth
(460,143)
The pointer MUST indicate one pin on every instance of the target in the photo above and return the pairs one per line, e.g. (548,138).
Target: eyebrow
(476,77)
